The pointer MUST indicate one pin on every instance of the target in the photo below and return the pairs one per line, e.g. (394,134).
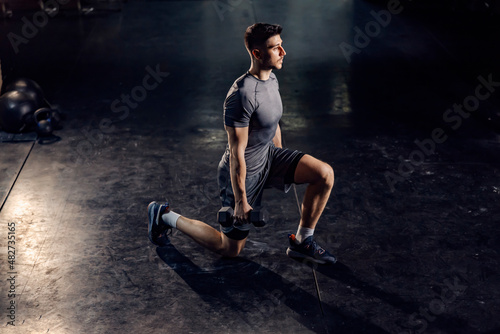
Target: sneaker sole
(297,255)
(152,216)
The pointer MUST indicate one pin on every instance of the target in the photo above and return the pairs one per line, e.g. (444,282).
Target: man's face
(273,53)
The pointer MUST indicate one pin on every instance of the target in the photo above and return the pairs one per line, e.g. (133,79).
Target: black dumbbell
(258,217)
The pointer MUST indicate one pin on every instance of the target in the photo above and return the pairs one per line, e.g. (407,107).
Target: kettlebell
(44,123)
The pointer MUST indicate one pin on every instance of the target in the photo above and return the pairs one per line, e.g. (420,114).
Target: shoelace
(317,249)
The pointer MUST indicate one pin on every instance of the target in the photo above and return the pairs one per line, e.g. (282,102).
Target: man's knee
(313,171)
(230,252)
(326,174)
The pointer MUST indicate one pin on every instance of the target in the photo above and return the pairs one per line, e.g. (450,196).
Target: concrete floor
(414,213)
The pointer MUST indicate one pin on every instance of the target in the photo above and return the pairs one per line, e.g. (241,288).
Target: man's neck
(259,73)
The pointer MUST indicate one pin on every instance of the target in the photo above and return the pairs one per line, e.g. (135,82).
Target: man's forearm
(238,169)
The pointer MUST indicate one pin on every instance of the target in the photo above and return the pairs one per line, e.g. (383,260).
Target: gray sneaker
(158,231)
(309,250)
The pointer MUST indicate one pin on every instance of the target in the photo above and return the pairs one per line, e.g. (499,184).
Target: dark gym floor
(414,213)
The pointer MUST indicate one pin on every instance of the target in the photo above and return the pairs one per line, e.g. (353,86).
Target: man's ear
(256,53)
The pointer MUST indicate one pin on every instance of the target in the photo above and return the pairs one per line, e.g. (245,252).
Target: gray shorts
(278,173)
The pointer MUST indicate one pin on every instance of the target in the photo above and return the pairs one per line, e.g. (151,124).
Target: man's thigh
(310,170)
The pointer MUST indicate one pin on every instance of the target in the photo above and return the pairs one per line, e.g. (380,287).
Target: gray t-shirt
(255,104)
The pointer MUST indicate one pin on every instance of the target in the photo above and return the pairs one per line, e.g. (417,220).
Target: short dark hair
(258,33)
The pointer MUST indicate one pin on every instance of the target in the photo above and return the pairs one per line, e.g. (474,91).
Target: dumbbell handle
(258,218)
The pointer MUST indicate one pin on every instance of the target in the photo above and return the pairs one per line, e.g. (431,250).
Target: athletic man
(254,159)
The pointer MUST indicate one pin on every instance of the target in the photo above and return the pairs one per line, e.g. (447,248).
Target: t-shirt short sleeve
(238,109)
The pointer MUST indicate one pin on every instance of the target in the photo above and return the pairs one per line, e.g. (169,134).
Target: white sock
(303,233)
(170,218)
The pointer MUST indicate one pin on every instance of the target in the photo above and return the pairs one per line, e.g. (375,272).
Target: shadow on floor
(340,272)
(257,295)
